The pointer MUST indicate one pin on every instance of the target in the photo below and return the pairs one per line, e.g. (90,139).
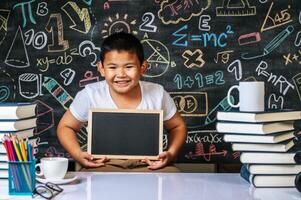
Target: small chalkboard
(125,134)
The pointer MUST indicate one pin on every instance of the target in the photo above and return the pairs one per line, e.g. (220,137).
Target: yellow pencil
(16,149)
(21,142)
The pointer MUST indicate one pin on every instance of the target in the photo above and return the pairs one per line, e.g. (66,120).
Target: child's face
(122,71)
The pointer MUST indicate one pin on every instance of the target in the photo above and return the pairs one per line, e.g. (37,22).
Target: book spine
(244,173)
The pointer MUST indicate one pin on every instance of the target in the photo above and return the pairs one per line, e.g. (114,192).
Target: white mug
(251,96)
(53,168)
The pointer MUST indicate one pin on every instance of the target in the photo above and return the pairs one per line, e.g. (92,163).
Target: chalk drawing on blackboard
(42,9)
(4,93)
(29,87)
(191,104)
(275,102)
(17,54)
(297,83)
(223,56)
(38,40)
(280,18)
(53,152)
(79,17)
(200,152)
(88,49)
(297,39)
(7,91)
(172,12)
(235,67)
(45,117)
(292,58)
(4,15)
(118,24)
(68,75)
(236,154)
(57,91)
(273,44)
(193,59)
(147,25)
(88,78)
(65,99)
(223,105)
(158,57)
(203,23)
(23,10)
(55,26)
(277,80)
(242,8)
(249,38)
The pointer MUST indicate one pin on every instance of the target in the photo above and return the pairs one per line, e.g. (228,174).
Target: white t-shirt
(97,95)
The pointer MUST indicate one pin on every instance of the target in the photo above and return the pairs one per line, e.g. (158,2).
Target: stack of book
(268,143)
(18,119)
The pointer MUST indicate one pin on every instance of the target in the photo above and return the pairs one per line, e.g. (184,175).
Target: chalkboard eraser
(249,38)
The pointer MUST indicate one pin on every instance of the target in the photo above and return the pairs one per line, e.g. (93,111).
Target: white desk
(167,186)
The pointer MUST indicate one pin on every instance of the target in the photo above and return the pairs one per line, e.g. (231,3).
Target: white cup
(251,96)
(53,168)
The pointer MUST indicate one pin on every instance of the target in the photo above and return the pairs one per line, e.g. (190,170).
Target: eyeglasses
(47,191)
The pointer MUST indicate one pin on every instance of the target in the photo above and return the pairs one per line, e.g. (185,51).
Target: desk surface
(167,186)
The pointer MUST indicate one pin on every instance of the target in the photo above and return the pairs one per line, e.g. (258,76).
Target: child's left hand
(163,160)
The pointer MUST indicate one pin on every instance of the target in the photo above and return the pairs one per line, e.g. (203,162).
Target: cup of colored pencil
(21,165)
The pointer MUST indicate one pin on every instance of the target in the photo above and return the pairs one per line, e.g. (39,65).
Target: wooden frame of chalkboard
(125,133)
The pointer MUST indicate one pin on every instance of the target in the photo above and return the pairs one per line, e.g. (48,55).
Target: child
(121,64)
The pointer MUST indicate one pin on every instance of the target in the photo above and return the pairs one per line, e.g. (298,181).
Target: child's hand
(88,161)
(163,160)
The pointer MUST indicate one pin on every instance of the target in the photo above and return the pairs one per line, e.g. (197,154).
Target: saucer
(67,179)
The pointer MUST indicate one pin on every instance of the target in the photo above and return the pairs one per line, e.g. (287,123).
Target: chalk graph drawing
(4,15)
(158,57)
(235,8)
(174,11)
(17,54)
(81,22)
(118,24)
(200,152)
(278,19)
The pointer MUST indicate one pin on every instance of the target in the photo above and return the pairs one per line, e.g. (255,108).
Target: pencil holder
(21,177)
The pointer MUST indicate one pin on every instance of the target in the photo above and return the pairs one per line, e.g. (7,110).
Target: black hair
(122,42)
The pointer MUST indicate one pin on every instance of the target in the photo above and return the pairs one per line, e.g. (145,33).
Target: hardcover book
(279,147)
(291,157)
(17,125)
(267,180)
(251,128)
(17,110)
(267,116)
(270,138)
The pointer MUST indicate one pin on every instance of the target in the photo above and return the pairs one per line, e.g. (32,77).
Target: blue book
(17,110)
(266,181)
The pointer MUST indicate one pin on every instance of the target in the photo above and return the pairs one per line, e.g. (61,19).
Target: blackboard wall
(197,49)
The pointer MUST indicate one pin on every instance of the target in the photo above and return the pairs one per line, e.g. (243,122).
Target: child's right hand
(88,161)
